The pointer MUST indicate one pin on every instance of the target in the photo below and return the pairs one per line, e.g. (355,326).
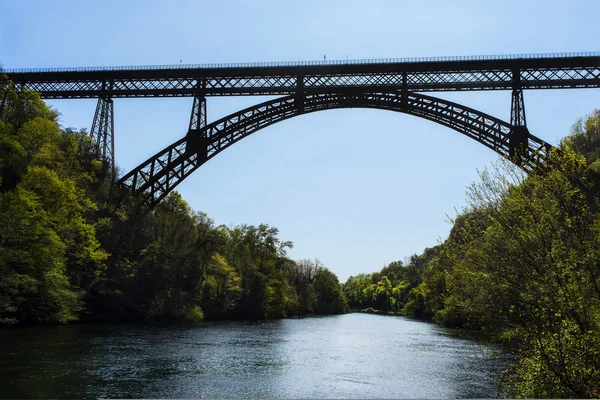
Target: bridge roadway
(537,71)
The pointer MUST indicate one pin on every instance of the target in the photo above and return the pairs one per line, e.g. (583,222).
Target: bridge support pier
(103,131)
(195,142)
(519,136)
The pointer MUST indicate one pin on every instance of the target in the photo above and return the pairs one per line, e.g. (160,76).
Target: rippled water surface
(347,356)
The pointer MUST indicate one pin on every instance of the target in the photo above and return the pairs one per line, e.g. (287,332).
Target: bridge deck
(540,71)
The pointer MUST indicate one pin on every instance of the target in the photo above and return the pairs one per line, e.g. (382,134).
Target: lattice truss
(160,174)
(103,129)
(532,78)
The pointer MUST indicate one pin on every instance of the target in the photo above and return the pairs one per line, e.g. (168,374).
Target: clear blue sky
(356,189)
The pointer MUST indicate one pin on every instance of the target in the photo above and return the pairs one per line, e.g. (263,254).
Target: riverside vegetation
(521,263)
(75,247)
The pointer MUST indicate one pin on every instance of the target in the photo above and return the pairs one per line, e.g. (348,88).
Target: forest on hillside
(75,247)
(521,264)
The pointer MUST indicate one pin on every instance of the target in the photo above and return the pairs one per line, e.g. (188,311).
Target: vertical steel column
(198,117)
(518,142)
(517,108)
(103,131)
(299,100)
(196,136)
(404,98)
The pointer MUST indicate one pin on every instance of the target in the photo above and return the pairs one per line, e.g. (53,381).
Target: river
(346,356)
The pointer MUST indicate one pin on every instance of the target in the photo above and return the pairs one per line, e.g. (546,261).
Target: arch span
(161,173)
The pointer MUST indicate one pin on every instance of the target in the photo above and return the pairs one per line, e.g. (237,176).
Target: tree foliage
(74,246)
(522,264)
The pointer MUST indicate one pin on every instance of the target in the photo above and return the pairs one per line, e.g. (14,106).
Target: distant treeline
(522,264)
(74,247)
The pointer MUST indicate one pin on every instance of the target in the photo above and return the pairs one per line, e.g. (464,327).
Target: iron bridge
(305,87)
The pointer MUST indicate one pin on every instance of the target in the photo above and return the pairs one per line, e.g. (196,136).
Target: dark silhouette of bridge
(305,87)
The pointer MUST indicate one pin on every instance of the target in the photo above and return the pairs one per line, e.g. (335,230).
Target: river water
(346,356)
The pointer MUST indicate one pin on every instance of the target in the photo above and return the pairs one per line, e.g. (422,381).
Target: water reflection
(349,356)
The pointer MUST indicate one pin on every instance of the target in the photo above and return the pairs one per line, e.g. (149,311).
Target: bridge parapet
(574,70)
(316,63)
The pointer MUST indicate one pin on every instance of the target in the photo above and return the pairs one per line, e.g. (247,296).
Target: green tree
(328,292)
(222,287)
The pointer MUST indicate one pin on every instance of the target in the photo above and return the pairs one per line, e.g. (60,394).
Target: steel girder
(160,174)
(494,74)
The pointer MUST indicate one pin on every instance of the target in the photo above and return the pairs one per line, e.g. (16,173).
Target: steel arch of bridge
(160,174)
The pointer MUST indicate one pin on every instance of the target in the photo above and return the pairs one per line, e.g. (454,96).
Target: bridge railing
(309,63)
